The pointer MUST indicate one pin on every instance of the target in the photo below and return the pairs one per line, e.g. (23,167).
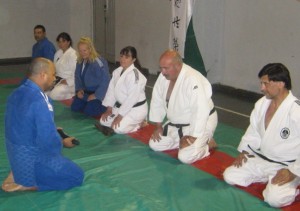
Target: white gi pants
(259,170)
(61,92)
(131,122)
(196,151)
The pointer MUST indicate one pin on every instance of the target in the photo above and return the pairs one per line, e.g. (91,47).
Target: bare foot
(212,144)
(9,185)
(9,179)
(12,187)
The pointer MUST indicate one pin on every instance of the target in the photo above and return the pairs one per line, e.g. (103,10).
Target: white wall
(81,19)
(143,24)
(18,18)
(208,22)
(238,37)
(267,31)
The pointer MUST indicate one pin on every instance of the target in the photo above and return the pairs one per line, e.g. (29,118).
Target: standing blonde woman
(91,79)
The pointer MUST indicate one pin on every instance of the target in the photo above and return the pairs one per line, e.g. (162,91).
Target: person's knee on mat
(153,145)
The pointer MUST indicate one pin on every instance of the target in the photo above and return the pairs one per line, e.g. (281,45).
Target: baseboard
(239,93)
(14,61)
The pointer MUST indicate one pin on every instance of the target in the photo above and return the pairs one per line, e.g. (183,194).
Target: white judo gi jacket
(65,64)
(126,89)
(281,140)
(190,101)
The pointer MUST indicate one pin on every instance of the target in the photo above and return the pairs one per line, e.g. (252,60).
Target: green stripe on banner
(192,55)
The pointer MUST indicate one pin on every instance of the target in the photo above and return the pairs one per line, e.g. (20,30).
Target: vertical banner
(182,36)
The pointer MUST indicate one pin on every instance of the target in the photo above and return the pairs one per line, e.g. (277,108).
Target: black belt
(180,126)
(268,159)
(118,105)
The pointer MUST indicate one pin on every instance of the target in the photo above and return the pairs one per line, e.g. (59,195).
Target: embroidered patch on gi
(285,133)
(195,87)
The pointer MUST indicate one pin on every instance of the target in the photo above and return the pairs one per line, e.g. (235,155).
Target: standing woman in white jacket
(65,63)
(125,98)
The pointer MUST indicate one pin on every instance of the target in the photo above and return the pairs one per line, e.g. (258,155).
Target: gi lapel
(278,120)
(82,75)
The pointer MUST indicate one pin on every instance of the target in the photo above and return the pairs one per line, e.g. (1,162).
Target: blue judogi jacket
(93,78)
(43,48)
(33,144)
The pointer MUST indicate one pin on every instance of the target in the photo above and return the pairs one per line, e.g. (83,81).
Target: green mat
(122,173)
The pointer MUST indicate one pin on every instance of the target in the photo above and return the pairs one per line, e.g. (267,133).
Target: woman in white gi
(65,63)
(270,148)
(125,98)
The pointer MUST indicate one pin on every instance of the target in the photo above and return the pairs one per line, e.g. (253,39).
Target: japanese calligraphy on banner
(181,15)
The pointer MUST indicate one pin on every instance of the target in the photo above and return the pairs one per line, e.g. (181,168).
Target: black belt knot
(179,126)
(118,105)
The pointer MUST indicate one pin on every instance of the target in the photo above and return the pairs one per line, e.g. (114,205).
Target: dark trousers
(91,108)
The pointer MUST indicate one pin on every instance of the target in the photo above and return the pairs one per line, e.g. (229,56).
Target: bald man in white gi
(183,96)
(270,148)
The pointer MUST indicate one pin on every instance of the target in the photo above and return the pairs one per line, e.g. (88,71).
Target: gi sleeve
(70,68)
(49,51)
(295,118)
(110,99)
(252,136)
(78,82)
(295,167)
(158,110)
(104,78)
(199,107)
(47,138)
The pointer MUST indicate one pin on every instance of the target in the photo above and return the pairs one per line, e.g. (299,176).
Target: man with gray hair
(32,141)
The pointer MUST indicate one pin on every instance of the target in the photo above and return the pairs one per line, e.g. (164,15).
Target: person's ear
(282,84)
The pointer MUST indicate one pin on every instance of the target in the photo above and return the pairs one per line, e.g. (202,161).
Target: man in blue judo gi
(32,141)
(43,47)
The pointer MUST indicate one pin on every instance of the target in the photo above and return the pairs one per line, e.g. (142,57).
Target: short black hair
(64,36)
(277,72)
(40,27)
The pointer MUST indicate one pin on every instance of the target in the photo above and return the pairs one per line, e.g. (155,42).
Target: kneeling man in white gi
(183,96)
(270,148)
